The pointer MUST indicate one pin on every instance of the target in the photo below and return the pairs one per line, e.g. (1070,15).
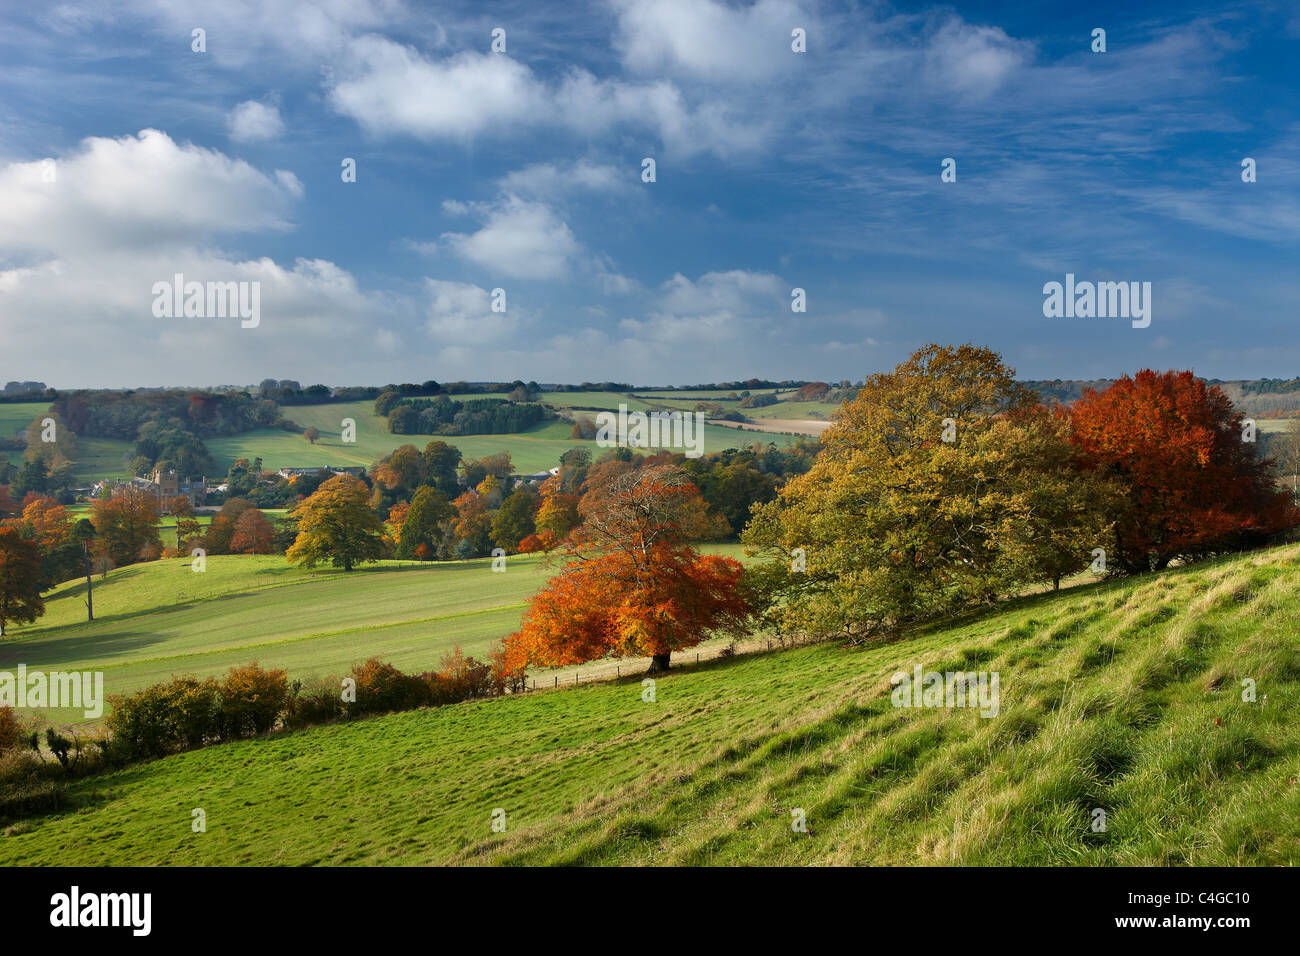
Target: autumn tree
(311,433)
(401,472)
(558,514)
(179,505)
(514,520)
(126,525)
(20,580)
(254,534)
(423,524)
(472,527)
(440,462)
(49,524)
(221,532)
(943,484)
(1192,485)
(336,523)
(634,586)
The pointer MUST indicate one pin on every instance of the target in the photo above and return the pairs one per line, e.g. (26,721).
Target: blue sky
(522,171)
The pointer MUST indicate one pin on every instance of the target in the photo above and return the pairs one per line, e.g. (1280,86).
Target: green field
(162,618)
(14,417)
(1124,696)
(1271,426)
(536,450)
(783,409)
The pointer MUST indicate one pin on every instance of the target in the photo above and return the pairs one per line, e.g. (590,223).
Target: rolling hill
(1124,696)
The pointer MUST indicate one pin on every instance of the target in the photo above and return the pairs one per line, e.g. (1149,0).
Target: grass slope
(1124,696)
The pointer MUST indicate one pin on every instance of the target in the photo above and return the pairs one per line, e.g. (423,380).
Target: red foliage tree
(254,534)
(1192,486)
(634,588)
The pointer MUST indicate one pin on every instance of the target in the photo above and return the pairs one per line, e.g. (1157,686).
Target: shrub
(12,730)
(507,678)
(192,707)
(382,687)
(459,678)
(252,701)
(142,722)
(162,718)
(315,701)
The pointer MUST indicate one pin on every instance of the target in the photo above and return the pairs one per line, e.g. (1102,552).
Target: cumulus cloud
(392,89)
(708,39)
(462,312)
(718,307)
(138,191)
(82,253)
(519,238)
(252,121)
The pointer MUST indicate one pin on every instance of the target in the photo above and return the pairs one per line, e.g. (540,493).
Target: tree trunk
(90,601)
(659,662)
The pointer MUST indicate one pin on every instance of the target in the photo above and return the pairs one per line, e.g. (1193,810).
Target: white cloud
(707,39)
(969,60)
(392,89)
(552,179)
(135,192)
(462,312)
(717,308)
(81,255)
(519,238)
(252,121)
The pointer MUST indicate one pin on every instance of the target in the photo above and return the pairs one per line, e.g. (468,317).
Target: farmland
(535,450)
(1124,696)
(160,618)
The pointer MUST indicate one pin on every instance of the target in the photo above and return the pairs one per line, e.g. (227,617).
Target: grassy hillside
(1124,696)
(161,618)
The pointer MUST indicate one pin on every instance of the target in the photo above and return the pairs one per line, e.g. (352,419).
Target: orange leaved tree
(1193,485)
(634,586)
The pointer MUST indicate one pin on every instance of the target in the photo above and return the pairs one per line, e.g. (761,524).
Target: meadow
(161,618)
(532,451)
(14,417)
(1124,696)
